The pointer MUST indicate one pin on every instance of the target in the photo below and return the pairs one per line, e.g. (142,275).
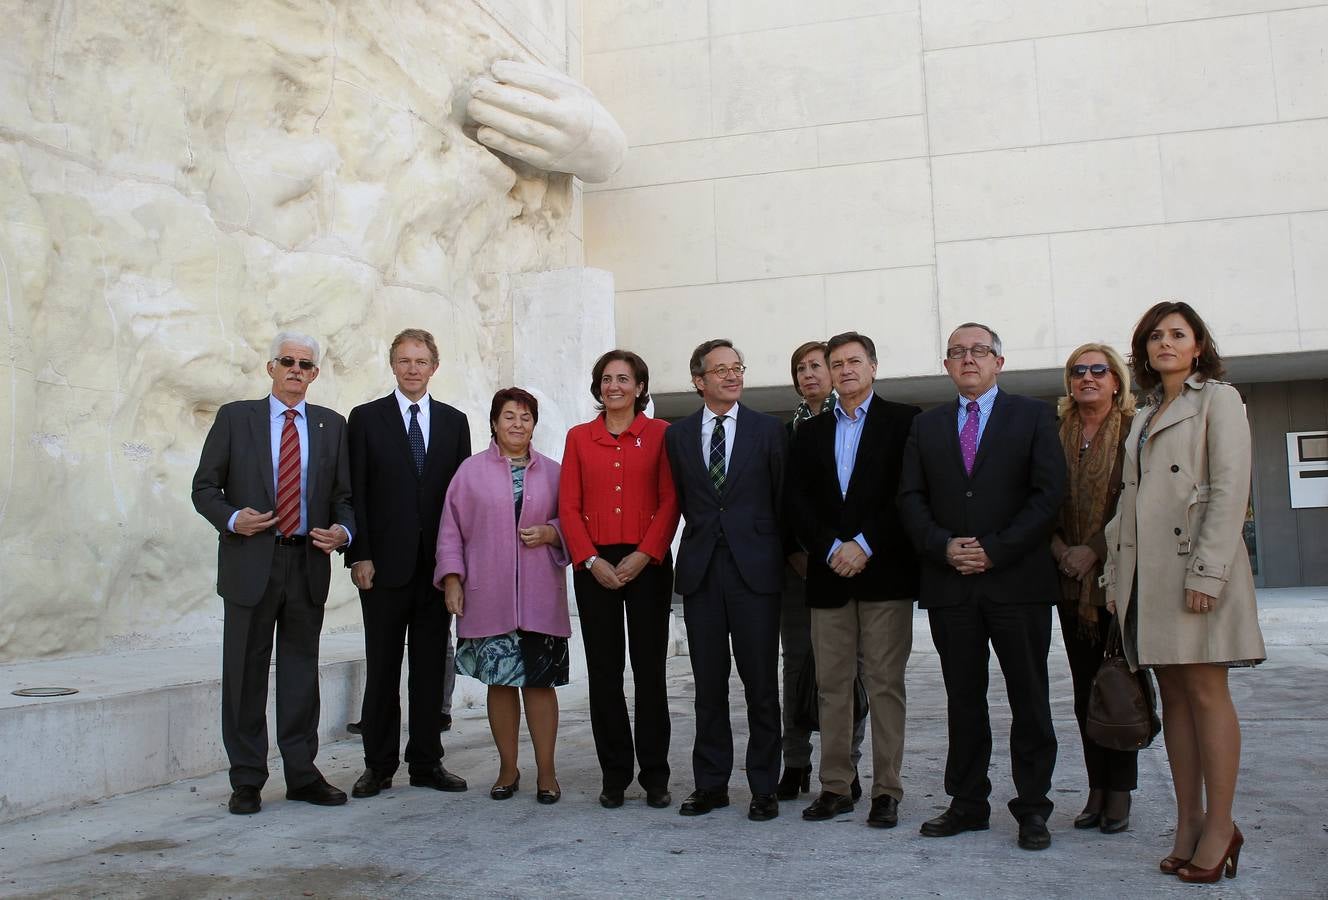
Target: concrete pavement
(179,841)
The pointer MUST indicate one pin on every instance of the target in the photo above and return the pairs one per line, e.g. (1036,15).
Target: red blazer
(617,490)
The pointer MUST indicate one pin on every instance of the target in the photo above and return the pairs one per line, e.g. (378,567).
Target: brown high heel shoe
(1228,862)
(1170,864)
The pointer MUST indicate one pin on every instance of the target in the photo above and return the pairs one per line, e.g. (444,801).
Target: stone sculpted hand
(547,119)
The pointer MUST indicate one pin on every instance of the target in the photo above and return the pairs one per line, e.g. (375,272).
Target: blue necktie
(416,439)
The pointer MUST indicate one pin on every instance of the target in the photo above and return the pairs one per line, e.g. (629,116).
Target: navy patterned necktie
(717,443)
(416,439)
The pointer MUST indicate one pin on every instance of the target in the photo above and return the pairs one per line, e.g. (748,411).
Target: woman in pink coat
(500,566)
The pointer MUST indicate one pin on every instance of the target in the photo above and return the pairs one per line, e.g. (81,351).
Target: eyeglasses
(1099,370)
(726,371)
(290,362)
(979,351)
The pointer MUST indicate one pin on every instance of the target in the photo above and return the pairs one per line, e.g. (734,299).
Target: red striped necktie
(288,478)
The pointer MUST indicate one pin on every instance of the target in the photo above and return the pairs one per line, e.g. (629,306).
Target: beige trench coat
(1179,523)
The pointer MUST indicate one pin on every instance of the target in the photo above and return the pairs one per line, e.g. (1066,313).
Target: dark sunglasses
(289,362)
(1099,370)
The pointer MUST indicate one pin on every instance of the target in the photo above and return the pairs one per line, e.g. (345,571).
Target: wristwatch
(589,563)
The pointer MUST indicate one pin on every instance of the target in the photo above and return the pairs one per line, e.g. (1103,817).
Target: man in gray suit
(274,480)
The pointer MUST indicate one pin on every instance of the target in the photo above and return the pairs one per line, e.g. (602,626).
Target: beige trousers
(883,631)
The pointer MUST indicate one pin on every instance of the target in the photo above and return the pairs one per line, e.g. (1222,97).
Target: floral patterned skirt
(516,659)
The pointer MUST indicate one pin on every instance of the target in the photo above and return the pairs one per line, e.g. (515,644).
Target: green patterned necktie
(717,453)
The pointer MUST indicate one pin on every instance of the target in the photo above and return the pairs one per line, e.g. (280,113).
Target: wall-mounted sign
(1307,468)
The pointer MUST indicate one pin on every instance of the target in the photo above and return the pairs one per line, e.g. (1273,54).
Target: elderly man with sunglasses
(274,480)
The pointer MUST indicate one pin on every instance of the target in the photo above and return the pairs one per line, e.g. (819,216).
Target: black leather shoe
(795,780)
(611,799)
(855,789)
(658,799)
(702,801)
(370,783)
(319,793)
(355,727)
(884,812)
(505,791)
(1033,833)
(444,722)
(1116,826)
(952,822)
(245,800)
(827,806)
(439,779)
(763,808)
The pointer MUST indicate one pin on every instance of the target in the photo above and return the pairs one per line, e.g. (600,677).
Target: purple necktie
(968,436)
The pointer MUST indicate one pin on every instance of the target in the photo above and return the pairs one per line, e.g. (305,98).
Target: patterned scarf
(803,412)
(1085,508)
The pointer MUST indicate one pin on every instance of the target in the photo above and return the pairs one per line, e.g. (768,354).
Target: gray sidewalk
(179,841)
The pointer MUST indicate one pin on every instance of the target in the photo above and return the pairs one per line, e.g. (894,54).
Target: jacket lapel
(691,443)
(870,438)
(314,428)
(262,436)
(742,446)
(395,429)
(1184,407)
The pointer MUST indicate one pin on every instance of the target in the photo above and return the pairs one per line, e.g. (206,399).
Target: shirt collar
(861,410)
(984,401)
(707,415)
(404,402)
(277,409)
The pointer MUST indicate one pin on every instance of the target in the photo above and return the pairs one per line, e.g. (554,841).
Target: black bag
(806,699)
(1122,705)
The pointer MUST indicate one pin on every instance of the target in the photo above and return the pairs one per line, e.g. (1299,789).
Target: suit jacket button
(1175,468)
(968,493)
(617,509)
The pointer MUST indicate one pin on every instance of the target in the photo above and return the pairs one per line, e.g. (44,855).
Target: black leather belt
(293,540)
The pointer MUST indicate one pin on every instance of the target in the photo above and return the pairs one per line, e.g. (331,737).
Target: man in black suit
(274,480)
(404,450)
(862,574)
(981,485)
(727,461)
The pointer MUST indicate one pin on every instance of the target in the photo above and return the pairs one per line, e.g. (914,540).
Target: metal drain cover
(44,692)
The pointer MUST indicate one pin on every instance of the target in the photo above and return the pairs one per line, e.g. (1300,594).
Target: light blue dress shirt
(985,403)
(848,434)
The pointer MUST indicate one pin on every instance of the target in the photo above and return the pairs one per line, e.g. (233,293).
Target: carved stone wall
(179,181)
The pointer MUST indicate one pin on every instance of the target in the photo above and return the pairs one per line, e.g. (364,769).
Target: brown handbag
(1122,705)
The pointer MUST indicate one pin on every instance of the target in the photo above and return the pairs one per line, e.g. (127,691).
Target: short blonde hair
(1124,400)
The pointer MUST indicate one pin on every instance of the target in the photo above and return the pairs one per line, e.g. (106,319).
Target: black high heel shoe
(794,780)
(1116,826)
(1091,817)
(549,797)
(505,791)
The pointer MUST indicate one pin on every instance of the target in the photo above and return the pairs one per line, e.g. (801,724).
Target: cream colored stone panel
(1246,171)
(950,23)
(722,157)
(658,93)
(766,320)
(619,24)
(874,141)
(1309,246)
(983,98)
(843,218)
(1301,62)
(1174,10)
(1042,189)
(653,236)
(817,74)
(1165,78)
(729,16)
(1236,273)
(896,308)
(1005,283)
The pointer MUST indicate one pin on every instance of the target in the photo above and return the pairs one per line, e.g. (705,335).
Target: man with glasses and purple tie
(979,494)
(274,480)
(728,467)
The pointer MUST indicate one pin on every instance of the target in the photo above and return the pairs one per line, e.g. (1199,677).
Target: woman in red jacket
(618,510)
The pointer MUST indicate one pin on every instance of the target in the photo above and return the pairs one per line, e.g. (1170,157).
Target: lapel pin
(638,442)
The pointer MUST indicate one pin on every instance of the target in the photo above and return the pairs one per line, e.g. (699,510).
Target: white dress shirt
(422,416)
(708,427)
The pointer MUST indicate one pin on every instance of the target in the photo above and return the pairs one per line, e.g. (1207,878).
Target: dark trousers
(645,602)
(1108,770)
(246,655)
(723,605)
(395,618)
(1021,636)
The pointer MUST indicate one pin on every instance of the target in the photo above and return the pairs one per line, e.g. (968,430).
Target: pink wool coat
(507,584)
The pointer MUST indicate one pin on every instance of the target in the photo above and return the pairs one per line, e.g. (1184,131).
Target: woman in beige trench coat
(1178,574)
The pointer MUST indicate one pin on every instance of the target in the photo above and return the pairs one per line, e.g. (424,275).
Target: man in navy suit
(274,480)
(404,450)
(981,485)
(727,461)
